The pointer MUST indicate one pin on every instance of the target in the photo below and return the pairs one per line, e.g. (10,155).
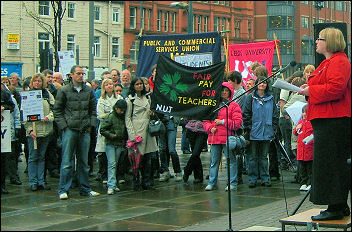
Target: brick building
(292,22)
(159,17)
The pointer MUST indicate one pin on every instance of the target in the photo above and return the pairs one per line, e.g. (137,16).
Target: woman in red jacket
(218,136)
(329,110)
(304,130)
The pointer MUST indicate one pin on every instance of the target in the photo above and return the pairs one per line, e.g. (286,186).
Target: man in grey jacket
(75,115)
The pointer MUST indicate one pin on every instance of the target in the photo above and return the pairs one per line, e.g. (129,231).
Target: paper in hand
(281,84)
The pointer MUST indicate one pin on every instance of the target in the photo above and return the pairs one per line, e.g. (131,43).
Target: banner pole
(278,54)
(35,140)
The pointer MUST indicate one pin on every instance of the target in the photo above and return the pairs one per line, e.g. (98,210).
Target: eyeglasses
(79,73)
(321,39)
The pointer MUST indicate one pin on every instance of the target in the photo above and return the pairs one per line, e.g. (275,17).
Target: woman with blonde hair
(41,135)
(105,105)
(307,71)
(329,110)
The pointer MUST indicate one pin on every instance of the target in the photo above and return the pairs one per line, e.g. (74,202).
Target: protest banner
(32,108)
(67,60)
(241,56)
(151,46)
(190,92)
(5,131)
(195,60)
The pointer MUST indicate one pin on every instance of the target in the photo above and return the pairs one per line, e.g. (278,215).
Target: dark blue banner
(151,46)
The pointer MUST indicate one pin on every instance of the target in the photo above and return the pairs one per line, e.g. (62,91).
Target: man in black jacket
(75,114)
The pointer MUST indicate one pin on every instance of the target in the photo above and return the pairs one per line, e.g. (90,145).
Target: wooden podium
(302,219)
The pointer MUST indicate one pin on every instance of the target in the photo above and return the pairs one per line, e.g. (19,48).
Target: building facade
(292,23)
(30,37)
(160,17)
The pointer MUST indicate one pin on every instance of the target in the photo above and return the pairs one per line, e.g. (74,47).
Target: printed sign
(67,60)
(32,105)
(5,131)
(195,60)
(13,41)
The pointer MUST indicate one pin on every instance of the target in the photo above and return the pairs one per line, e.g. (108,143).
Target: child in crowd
(113,128)
(304,133)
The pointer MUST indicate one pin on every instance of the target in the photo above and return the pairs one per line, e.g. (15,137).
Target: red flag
(241,56)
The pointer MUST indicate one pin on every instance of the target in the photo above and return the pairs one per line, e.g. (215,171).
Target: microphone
(282,70)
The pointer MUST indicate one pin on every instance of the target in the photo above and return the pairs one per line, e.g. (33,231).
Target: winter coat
(75,110)
(234,121)
(104,107)
(260,116)
(112,125)
(43,129)
(330,88)
(137,123)
(304,152)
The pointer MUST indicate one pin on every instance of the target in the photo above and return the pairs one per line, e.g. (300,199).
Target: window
(158,21)
(150,18)
(339,5)
(332,6)
(71,42)
(133,13)
(249,29)
(286,47)
(173,25)
(314,20)
(134,51)
(306,47)
(97,13)
(166,20)
(44,7)
(43,41)
(237,29)
(305,21)
(116,15)
(199,24)
(223,24)
(71,10)
(216,23)
(321,21)
(97,46)
(115,47)
(143,19)
(305,2)
(280,21)
(205,25)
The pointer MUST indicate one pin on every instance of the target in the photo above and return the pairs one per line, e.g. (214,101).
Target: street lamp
(318,5)
(189,8)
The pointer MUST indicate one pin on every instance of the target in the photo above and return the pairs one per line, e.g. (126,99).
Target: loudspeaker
(320,26)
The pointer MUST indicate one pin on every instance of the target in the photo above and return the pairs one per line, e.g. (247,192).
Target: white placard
(281,84)
(32,105)
(295,111)
(5,131)
(195,60)
(67,60)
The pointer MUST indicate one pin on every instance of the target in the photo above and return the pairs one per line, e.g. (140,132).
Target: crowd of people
(107,119)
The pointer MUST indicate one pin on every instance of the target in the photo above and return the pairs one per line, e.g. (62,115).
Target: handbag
(236,142)
(156,127)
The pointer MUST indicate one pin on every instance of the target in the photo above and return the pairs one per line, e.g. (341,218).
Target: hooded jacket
(234,120)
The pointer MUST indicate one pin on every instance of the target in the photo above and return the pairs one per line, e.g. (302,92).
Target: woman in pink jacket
(217,137)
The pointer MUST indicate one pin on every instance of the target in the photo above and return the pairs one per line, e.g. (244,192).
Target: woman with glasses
(329,110)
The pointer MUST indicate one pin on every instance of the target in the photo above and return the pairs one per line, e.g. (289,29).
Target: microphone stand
(226,104)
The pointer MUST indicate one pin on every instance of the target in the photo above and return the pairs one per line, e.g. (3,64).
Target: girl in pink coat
(305,144)
(217,137)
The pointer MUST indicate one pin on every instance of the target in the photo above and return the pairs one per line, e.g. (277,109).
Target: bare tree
(59,10)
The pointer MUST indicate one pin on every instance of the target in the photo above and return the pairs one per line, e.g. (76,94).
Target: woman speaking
(329,110)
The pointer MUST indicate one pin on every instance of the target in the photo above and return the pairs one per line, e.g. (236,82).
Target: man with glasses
(75,114)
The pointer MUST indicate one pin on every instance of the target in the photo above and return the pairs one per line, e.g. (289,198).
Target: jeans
(36,160)
(167,147)
(286,132)
(112,154)
(215,158)
(74,142)
(194,163)
(258,156)
(185,143)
